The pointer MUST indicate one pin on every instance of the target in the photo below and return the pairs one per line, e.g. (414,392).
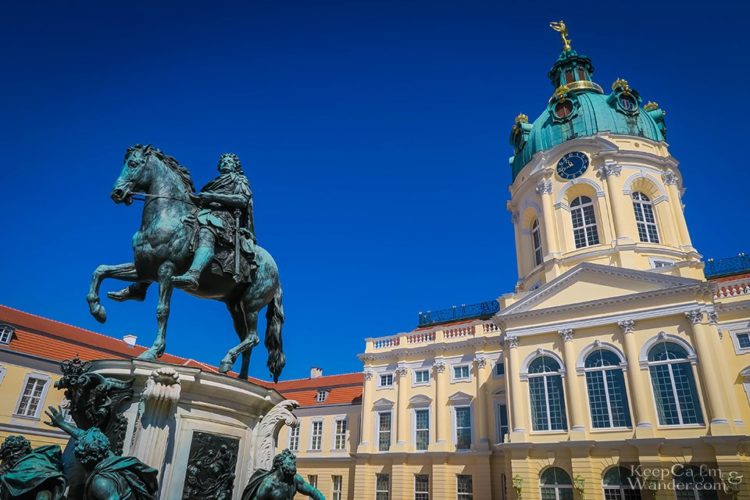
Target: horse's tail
(274,320)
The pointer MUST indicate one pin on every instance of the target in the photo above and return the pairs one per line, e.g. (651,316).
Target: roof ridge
(64,324)
(318,378)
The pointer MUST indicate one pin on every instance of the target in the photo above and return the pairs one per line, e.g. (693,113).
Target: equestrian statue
(203,243)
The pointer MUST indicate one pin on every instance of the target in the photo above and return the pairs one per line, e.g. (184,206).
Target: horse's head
(134,177)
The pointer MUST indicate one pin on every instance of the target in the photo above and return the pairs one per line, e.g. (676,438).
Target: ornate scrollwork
(566,334)
(95,400)
(695,316)
(511,341)
(268,430)
(627,326)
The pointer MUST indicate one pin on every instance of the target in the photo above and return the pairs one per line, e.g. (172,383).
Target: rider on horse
(226,219)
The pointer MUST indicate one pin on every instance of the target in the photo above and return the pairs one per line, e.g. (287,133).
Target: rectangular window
(743,340)
(500,368)
(386,380)
(421,487)
(340,438)
(321,396)
(501,421)
(463,428)
(317,435)
(384,431)
(464,489)
(294,439)
(337,482)
(422,376)
(382,487)
(313,480)
(31,397)
(461,372)
(422,429)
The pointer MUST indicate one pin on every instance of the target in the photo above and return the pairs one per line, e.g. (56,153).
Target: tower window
(585,232)
(536,240)
(569,76)
(581,74)
(644,218)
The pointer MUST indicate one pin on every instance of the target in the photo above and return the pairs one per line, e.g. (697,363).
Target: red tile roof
(55,341)
(342,389)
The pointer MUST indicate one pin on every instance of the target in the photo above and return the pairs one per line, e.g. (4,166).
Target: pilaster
(442,418)
(402,423)
(516,404)
(480,412)
(641,402)
(575,408)
(367,425)
(606,173)
(714,392)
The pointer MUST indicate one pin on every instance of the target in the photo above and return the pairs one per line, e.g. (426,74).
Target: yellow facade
(21,411)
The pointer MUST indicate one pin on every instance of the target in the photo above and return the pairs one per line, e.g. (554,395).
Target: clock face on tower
(572,165)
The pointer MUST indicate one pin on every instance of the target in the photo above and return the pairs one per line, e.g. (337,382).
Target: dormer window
(6,334)
(321,396)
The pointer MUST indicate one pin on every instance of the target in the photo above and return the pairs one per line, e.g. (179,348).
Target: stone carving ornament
(95,400)
(268,432)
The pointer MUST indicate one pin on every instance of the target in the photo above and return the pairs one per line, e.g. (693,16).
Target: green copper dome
(579,108)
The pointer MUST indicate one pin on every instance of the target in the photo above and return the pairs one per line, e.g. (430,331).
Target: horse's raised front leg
(125,272)
(166,271)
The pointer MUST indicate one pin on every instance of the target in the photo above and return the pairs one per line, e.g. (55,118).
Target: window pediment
(460,399)
(383,404)
(420,401)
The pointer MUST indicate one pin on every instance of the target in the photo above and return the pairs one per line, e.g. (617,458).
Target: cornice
(612,319)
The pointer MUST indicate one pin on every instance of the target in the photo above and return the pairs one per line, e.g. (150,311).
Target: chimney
(316,372)
(129,339)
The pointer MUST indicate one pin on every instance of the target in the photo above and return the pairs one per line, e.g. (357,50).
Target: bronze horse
(162,249)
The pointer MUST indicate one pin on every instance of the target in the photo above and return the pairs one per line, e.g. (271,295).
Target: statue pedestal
(205,433)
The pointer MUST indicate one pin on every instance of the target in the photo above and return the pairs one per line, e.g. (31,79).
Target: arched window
(547,399)
(644,218)
(556,484)
(585,233)
(692,483)
(608,399)
(674,386)
(536,241)
(620,484)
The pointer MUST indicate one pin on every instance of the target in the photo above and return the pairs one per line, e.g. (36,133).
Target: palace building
(613,359)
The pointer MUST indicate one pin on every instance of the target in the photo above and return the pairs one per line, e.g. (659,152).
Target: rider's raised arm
(307,489)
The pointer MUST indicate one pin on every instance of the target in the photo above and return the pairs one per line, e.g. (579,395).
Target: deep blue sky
(374,135)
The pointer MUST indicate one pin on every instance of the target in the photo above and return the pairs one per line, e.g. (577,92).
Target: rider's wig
(235,159)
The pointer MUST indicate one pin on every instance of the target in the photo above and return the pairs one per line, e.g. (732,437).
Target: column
(156,416)
(713,390)
(442,418)
(367,425)
(604,171)
(675,200)
(516,404)
(639,395)
(732,406)
(402,411)
(480,410)
(575,408)
(544,189)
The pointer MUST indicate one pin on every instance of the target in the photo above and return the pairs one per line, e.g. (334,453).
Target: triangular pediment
(460,398)
(590,282)
(420,400)
(382,404)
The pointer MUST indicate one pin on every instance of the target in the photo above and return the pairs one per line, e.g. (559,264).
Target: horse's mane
(170,161)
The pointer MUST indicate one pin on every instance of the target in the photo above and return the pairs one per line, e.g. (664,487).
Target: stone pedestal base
(204,432)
